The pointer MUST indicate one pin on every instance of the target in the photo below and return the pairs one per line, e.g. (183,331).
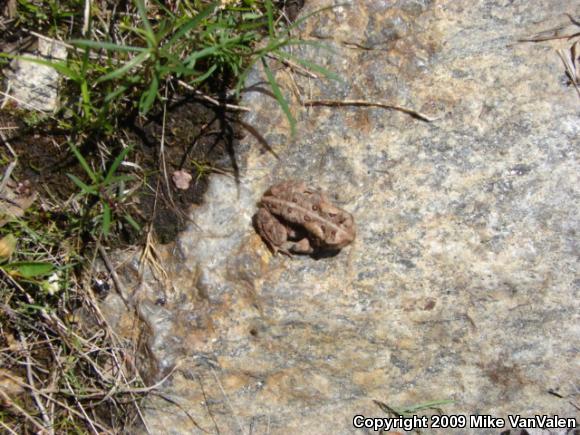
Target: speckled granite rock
(35,86)
(463,282)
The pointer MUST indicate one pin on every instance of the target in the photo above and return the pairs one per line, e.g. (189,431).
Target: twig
(99,393)
(544,36)
(86,17)
(81,408)
(11,166)
(547,38)
(363,103)
(294,66)
(173,402)
(569,66)
(118,285)
(48,39)
(52,399)
(33,390)
(4,425)
(162,150)
(206,402)
(26,415)
(19,101)
(211,100)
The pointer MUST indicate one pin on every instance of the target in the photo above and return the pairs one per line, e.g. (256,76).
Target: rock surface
(35,86)
(463,281)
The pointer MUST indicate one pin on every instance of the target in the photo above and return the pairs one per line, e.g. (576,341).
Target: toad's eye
(314,207)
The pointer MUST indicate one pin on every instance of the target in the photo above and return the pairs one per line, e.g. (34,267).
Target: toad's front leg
(272,231)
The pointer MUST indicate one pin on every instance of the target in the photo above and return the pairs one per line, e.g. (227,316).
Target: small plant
(47,13)
(410,410)
(55,370)
(196,47)
(106,189)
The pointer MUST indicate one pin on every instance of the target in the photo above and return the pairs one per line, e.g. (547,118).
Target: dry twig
(118,284)
(363,103)
(211,100)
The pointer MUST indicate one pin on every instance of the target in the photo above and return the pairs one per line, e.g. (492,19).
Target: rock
(35,86)
(462,283)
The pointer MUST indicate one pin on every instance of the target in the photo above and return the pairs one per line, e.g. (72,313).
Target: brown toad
(294,218)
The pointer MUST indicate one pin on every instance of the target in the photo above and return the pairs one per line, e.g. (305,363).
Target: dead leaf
(7,246)
(182,179)
(15,198)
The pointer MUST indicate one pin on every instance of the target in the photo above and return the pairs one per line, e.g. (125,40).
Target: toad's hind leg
(302,247)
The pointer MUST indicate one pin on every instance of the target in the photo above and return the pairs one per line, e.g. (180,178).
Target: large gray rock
(463,281)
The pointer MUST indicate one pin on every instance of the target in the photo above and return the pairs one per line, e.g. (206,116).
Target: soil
(195,132)
(197,135)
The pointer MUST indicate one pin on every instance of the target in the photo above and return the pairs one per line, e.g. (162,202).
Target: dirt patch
(197,138)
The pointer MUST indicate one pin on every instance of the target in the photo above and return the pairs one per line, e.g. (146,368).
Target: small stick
(86,17)
(569,68)
(98,393)
(52,399)
(363,103)
(119,286)
(33,390)
(212,100)
(11,166)
(295,66)
(4,425)
(26,415)
(19,101)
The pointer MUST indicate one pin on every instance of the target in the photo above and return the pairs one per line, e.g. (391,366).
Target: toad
(293,218)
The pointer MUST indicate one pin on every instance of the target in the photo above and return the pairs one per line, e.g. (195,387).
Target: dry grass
(567,36)
(60,372)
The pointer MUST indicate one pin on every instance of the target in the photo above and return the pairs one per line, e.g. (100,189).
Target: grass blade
(205,75)
(132,221)
(114,94)
(190,60)
(302,19)
(60,67)
(84,164)
(137,60)
(149,96)
(279,97)
(192,23)
(311,66)
(149,33)
(116,163)
(109,46)
(89,190)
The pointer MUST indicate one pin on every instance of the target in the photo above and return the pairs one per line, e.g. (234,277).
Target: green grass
(107,190)
(66,374)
